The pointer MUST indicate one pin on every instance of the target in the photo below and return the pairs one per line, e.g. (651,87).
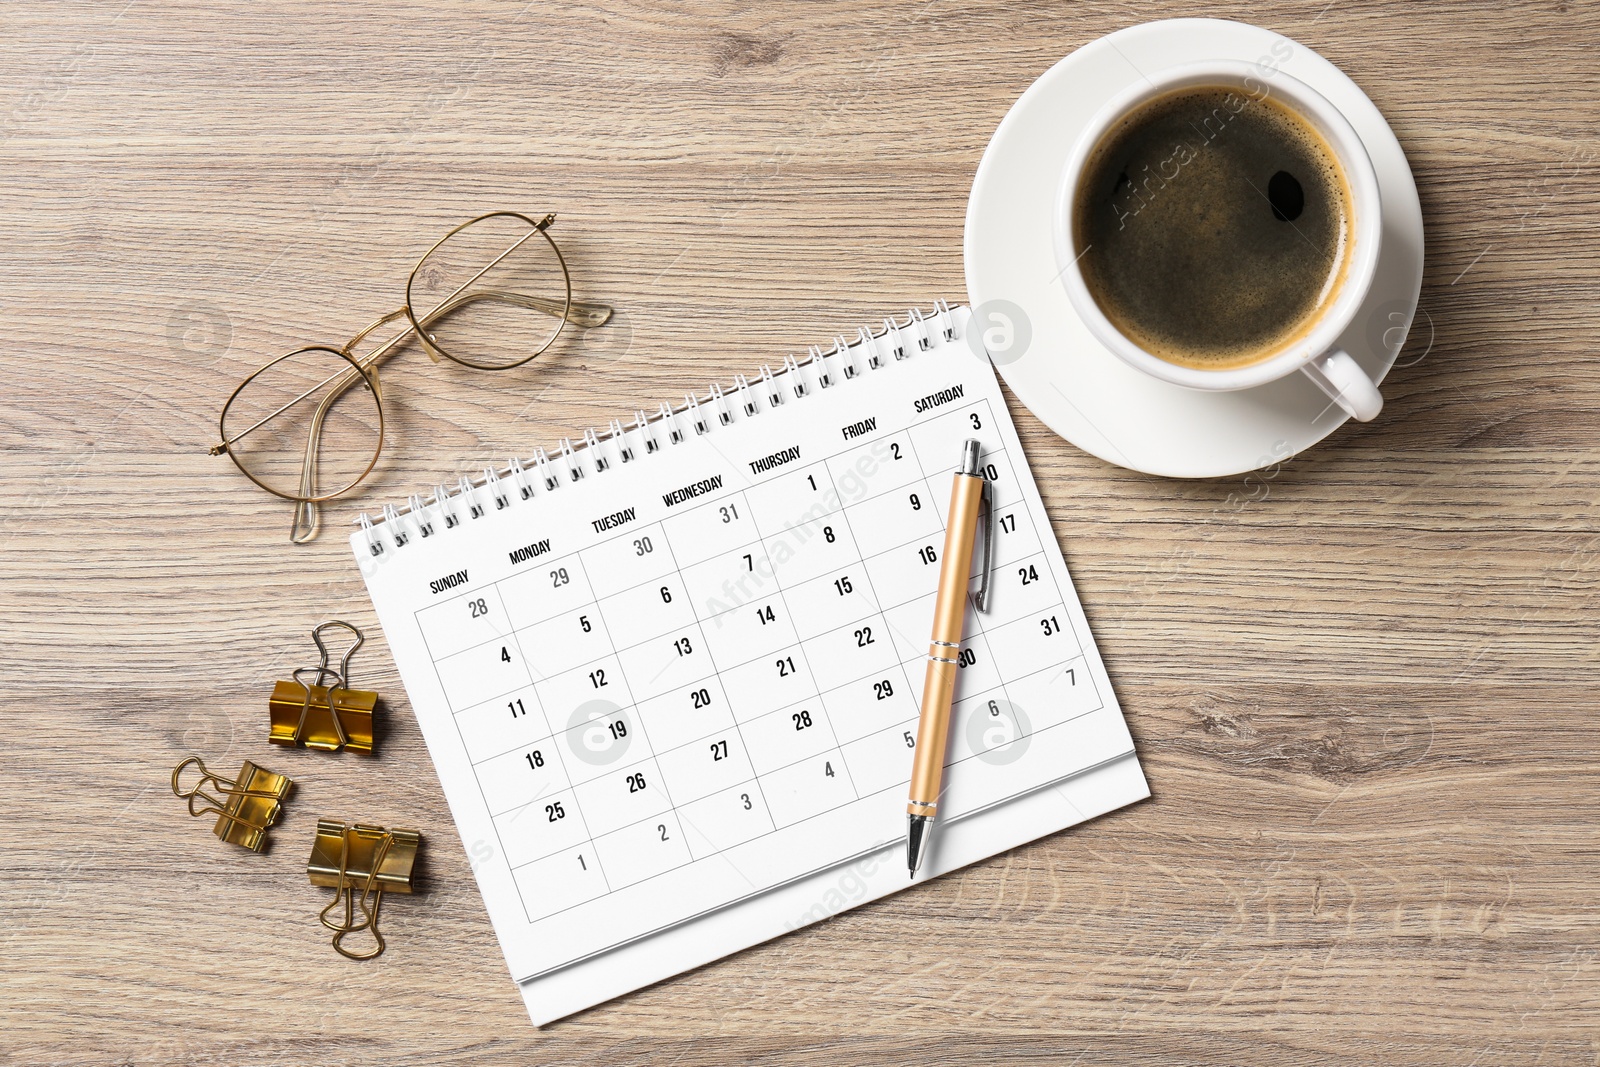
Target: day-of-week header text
(859,429)
(943,396)
(777,459)
(694,489)
(527,552)
(449,581)
(615,519)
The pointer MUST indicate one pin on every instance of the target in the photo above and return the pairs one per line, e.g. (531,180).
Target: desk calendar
(669,677)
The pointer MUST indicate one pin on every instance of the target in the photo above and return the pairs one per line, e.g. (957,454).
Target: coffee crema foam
(1213,228)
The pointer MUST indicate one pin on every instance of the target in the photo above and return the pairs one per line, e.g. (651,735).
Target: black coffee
(1212,227)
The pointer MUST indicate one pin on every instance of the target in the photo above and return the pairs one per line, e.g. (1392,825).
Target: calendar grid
(665,802)
(594,603)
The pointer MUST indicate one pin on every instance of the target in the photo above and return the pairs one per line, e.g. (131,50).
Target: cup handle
(1346,384)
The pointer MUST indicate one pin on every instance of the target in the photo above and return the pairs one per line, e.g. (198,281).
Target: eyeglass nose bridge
(384,320)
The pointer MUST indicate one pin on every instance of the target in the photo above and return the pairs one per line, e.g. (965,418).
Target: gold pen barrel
(933,730)
(949,613)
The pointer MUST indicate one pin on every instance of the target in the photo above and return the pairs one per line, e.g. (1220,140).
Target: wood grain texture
(1362,687)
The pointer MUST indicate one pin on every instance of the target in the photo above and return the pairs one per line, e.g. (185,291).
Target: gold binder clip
(253,801)
(365,860)
(320,710)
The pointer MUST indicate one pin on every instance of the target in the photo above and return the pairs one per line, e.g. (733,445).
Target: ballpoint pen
(969,499)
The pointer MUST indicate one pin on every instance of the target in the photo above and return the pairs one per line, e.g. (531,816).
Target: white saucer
(1072,382)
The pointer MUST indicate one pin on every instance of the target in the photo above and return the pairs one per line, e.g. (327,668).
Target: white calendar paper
(675,675)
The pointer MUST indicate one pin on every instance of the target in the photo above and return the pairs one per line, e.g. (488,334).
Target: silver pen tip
(918,829)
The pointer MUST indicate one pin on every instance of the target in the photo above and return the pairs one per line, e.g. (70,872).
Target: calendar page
(680,668)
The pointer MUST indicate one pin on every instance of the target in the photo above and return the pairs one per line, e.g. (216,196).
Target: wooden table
(1362,688)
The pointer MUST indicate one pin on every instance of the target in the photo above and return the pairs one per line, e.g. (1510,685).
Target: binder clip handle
(369,921)
(370,902)
(324,700)
(344,661)
(214,806)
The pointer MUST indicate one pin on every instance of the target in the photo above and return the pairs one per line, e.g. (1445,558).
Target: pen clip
(986,524)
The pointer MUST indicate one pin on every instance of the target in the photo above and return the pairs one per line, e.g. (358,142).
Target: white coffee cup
(1314,352)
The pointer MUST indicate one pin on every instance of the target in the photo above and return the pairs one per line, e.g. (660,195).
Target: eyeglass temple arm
(578,312)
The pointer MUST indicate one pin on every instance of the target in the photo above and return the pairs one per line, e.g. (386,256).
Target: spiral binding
(495,490)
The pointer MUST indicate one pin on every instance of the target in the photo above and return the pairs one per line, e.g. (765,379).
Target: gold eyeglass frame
(364,369)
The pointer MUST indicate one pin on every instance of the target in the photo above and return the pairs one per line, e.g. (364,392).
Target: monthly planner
(669,671)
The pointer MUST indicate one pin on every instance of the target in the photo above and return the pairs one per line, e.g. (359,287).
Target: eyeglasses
(308,426)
